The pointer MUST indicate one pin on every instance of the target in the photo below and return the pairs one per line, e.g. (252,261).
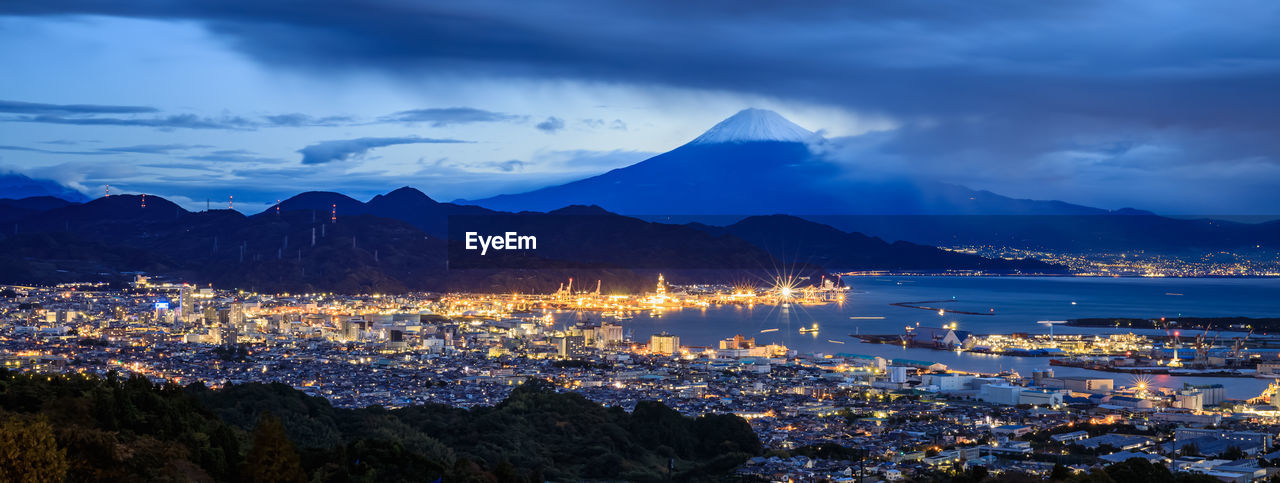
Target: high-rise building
(349,328)
(571,346)
(230,335)
(236,315)
(187,303)
(664,343)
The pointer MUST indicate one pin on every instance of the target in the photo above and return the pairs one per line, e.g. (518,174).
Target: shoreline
(1222,324)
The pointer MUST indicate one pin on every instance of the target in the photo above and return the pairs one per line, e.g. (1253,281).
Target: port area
(1016,344)
(1201,353)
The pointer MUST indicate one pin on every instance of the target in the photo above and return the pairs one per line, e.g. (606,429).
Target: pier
(941,310)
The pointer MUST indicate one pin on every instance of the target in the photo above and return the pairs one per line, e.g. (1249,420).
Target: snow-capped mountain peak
(750,125)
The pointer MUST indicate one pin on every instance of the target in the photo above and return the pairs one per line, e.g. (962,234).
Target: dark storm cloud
(35,150)
(305,120)
(617,124)
(139,149)
(445,116)
(234,156)
(906,58)
(192,121)
(1172,169)
(551,125)
(103,115)
(69,142)
(153,148)
(344,149)
(19,107)
(551,167)
(511,165)
(447,165)
(175,121)
(172,165)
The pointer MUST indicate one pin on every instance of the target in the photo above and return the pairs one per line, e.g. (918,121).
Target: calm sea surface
(1018,303)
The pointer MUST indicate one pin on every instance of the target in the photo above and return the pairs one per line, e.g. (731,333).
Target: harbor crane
(1237,347)
(1175,338)
(1175,343)
(1202,349)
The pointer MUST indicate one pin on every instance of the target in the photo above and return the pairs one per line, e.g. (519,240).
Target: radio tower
(231,202)
(277,207)
(333,215)
(108,191)
(144,200)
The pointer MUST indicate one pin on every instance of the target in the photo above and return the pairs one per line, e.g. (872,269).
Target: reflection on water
(1005,305)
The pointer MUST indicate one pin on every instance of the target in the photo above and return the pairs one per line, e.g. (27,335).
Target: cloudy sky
(1164,105)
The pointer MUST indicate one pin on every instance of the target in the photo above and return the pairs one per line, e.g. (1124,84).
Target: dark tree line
(85,428)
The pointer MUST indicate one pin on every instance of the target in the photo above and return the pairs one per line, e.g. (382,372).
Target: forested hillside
(85,428)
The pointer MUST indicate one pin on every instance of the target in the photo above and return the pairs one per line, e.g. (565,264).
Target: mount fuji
(754,125)
(758,162)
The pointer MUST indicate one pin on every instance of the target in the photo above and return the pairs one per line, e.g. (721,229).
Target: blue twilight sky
(1165,105)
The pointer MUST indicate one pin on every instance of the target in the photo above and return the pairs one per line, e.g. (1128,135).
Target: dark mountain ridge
(405,204)
(16,209)
(301,248)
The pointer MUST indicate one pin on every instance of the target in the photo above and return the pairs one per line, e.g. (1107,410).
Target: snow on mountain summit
(750,125)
